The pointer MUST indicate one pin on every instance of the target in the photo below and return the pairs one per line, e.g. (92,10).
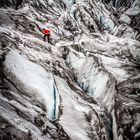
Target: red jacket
(46,31)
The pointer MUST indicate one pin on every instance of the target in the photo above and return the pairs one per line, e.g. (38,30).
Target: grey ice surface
(84,84)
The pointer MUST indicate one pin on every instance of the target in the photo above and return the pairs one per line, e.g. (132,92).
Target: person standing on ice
(46,33)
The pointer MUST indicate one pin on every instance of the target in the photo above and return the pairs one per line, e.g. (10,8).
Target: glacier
(84,84)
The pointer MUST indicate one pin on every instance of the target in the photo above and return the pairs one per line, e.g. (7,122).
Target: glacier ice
(84,85)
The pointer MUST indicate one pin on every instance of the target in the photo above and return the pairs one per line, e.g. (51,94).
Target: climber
(46,33)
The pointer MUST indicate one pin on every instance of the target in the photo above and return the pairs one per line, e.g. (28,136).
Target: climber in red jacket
(46,33)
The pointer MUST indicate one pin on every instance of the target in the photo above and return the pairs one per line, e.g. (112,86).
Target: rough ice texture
(84,85)
(32,80)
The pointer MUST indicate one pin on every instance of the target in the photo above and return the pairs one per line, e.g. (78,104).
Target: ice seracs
(33,81)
